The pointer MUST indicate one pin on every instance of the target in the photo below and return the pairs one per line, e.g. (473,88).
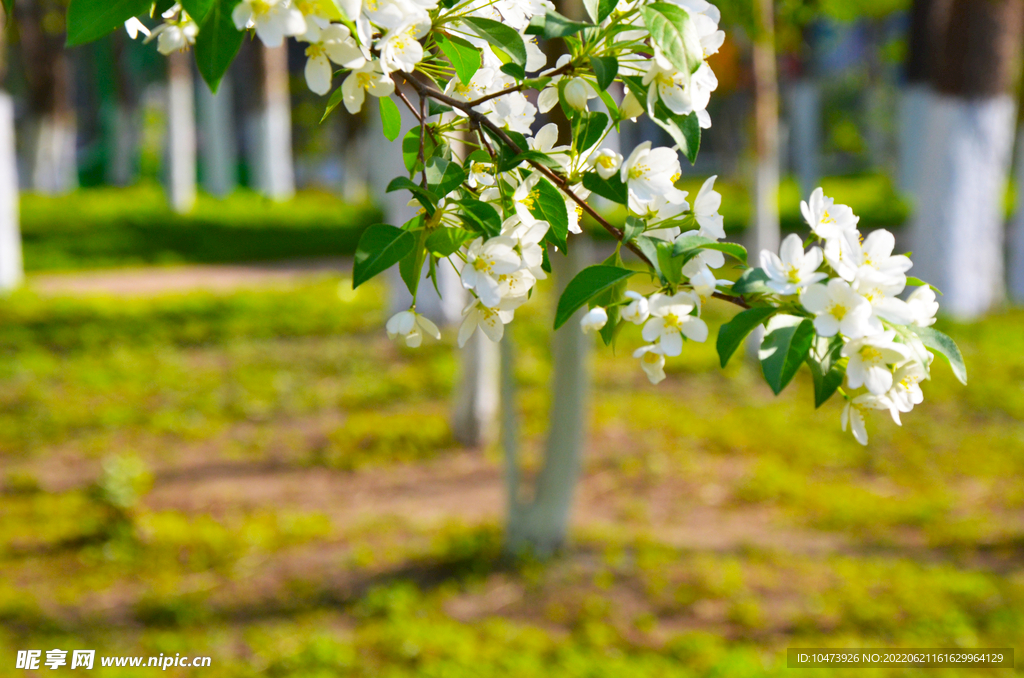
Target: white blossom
(792,269)
(411,326)
(870,358)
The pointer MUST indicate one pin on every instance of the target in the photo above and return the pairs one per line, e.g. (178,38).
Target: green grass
(106,540)
(104,227)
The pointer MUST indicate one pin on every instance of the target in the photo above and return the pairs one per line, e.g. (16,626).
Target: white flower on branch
(839,309)
(670,321)
(411,326)
(368,78)
(792,269)
(333,43)
(870,358)
(594,319)
(274,20)
(649,174)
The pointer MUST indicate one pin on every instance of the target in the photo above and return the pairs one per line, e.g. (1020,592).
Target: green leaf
(465,58)
(944,346)
(787,340)
(826,369)
(218,43)
(390,118)
(481,216)
(8,6)
(752,282)
(684,130)
(549,206)
(90,20)
(513,69)
(336,98)
(688,246)
(649,247)
(411,265)
(197,9)
(671,267)
(675,34)
(411,149)
(553,25)
(732,333)
(613,108)
(634,227)
(587,284)
(589,129)
(605,69)
(611,189)
(505,38)
(443,176)
(611,300)
(380,247)
(444,242)
(425,197)
(599,10)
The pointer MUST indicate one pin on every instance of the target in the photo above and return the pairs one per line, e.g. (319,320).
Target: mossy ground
(300,508)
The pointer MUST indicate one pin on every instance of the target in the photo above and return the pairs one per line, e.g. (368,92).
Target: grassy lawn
(103,227)
(107,227)
(263,478)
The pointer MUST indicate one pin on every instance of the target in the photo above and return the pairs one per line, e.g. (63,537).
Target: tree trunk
(765,234)
(11,268)
(927,21)
(805,131)
(1015,235)
(217,139)
(957,233)
(271,170)
(123,131)
(181,132)
(540,525)
(51,143)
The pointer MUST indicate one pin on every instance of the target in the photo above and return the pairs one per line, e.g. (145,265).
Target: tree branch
(480,120)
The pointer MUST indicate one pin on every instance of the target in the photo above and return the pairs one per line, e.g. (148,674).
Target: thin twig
(480,120)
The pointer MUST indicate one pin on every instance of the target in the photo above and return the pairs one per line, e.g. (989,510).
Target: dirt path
(155,280)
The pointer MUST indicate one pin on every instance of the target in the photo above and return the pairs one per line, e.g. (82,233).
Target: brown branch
(561,70)
(480,120)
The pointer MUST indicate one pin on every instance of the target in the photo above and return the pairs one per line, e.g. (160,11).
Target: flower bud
(576,91)
(630,107)
(594,320)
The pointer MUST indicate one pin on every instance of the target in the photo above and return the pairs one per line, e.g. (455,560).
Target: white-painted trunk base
(541,524)
(53,164)
(181,140)
(217,145)
(957,232)
(915,103)
(475,413)
(11,268)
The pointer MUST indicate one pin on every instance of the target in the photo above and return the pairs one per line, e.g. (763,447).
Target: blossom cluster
(499,193)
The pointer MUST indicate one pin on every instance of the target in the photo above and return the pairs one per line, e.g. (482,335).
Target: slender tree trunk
(181,132)
(540,524)
(765,235)
(11,269)
(52,130)
(957,233)
(271,168)
(217,139)
(805,118)
(123,132)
